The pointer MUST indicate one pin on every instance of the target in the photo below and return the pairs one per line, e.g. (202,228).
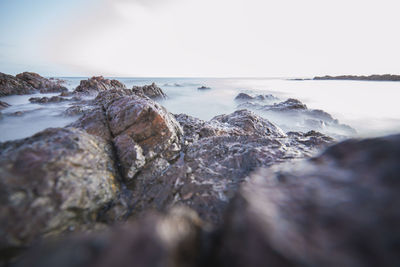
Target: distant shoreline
(375,77)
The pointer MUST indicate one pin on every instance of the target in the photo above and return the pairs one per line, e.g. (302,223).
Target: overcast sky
(209,38)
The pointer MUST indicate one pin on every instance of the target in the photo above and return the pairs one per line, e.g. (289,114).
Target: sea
(371,108)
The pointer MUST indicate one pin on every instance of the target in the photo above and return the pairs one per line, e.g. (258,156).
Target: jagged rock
(173,239)
(152,91)
(293,115)
(204,88)
(10,85)
(43,84)
(53,182)
(140,129)
(4,105)
(216,160)
(45,100)
(28,83)
(338,209)
(98,84)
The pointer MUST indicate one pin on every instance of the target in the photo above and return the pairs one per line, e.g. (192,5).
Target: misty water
(369,107)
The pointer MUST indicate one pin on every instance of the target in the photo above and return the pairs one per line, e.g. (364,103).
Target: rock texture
(98,84)
(28,83)
(140,129)
(55,181)
(338,209)
(218,156)
(152,91)
(293,115)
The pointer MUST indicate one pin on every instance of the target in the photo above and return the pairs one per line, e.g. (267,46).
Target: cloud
(229,38)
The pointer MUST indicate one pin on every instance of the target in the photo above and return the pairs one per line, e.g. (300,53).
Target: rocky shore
(375,77)
(130,184)
(28,83)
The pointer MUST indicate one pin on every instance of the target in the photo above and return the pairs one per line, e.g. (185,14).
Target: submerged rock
(45,100)
(338,209)
(4,105)
(293,115)
(247,97)
(53,182)
(204,88)
(98,84)
(152,91)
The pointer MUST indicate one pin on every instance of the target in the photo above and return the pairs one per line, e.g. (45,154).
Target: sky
(191,38)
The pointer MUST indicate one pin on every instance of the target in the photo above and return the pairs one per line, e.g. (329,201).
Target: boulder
(172,239)
(56,181)
(10,85)
(43,84)
(247,97)
(152,91)
(337,209)
(98,84)
(140,129)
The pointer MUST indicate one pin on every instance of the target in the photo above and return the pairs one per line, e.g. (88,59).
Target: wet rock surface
(55,181)
(338,209)
(28,83)
(152,91)
(293,115)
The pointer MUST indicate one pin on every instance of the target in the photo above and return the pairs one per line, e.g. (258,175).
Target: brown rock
(98,84)
(43,84)
(152,91)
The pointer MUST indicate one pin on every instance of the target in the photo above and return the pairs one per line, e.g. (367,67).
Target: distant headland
(374,77)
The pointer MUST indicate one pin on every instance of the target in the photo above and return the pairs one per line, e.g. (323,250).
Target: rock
(152,91)
(215,161)
(53,182)
(45,100)
(337,209)
(98,84)
(28,83)
(140,129)
(204,88)
(293,115)
(10,85)
(42,84)
(4,105)
(172,239)
(247,97)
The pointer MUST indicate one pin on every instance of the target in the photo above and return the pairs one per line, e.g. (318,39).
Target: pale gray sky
(255,38)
